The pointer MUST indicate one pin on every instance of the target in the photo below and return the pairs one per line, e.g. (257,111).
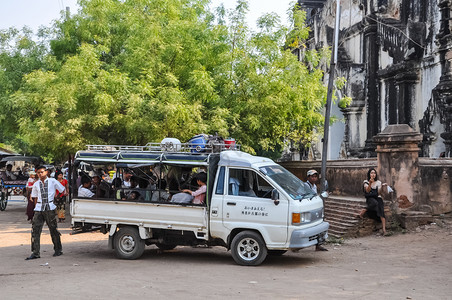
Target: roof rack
(194,148)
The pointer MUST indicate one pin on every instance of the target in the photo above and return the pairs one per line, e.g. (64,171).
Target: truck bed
(149,215)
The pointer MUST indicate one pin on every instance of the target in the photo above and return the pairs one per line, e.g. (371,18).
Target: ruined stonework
(396,56)
(398,163)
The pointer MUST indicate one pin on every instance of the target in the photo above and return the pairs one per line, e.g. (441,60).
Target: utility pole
(326,126)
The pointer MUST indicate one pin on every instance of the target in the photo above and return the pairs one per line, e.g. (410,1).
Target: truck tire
(248,248)
(3,201)
(165,246)
(128,244)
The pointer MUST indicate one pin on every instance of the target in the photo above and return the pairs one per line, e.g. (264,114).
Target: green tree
(130,72)
(19,55)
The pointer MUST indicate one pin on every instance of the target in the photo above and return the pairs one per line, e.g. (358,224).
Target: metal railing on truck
(194,148)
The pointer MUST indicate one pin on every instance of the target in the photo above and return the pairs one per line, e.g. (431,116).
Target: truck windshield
(296,188)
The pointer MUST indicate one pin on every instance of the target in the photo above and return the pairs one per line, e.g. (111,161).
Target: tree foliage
(134,71)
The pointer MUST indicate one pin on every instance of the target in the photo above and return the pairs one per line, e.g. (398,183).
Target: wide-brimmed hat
(312,172)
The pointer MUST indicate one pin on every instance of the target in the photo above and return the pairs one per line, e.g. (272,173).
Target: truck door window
(247,183)
(220,182)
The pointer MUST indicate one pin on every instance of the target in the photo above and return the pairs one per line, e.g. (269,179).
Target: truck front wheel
(248,248)
(128,244)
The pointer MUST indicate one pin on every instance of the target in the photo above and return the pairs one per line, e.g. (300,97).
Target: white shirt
(52,186)
(312,186)
(125,184)
(84,192)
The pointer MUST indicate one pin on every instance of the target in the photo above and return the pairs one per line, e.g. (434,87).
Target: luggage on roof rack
(211,147)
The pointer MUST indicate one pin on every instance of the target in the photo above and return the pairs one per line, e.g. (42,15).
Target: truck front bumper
(302,238)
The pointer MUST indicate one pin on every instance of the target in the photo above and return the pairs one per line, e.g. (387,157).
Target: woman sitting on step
(372,191)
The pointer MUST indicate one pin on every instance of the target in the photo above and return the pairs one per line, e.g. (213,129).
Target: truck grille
(317,214)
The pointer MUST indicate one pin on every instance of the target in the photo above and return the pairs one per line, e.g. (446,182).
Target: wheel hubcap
(248,249)
(127,243)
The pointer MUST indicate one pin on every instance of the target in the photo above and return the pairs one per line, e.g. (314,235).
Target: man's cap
(312,172)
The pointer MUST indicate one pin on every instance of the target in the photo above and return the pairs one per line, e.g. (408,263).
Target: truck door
(247,203)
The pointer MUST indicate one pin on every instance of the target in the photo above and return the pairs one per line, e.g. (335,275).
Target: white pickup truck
(252,206)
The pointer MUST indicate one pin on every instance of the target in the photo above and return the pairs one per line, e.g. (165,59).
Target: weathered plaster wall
(436,185)
(345,177)
(396,56)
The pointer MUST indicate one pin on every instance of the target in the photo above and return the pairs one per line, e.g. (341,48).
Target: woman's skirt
(375,208)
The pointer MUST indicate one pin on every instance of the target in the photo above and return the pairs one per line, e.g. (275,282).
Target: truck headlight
(299,218)
(305,217)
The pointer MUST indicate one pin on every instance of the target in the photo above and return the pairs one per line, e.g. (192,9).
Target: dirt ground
(414,265)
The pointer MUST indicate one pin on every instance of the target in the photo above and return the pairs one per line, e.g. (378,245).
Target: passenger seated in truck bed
(199,195)
(117,189)
(134,196)
(160,194)
(83,190)
(101,189)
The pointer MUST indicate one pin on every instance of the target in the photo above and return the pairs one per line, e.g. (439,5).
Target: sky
(34,13)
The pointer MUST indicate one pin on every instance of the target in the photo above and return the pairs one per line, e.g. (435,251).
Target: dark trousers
(48,216)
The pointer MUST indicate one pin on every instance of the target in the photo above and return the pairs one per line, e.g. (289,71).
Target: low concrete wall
(435,185)
(345,178)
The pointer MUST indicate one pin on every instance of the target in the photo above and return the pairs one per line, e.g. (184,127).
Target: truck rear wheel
(128,244)
(248,248)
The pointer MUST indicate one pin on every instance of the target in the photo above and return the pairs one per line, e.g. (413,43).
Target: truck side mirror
(275,196)
(324,194)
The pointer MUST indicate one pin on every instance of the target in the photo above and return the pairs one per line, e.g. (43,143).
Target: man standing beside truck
(313,180)
(43,193)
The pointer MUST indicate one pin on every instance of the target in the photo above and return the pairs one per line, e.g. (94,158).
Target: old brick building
(396,56)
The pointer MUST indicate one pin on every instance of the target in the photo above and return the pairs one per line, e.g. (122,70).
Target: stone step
(340,226)
(346,199)
(351,213)
(339,220)
(336,234)
(338,206)
(345,209)
(344,203)
(342,214)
